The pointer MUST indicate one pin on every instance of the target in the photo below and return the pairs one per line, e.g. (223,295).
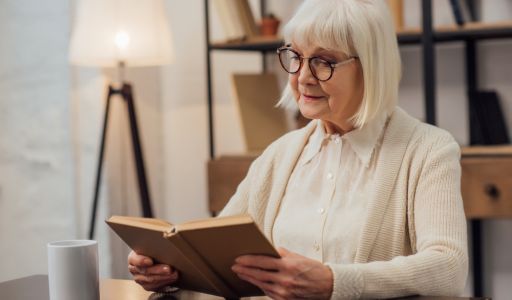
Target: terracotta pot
(269,26)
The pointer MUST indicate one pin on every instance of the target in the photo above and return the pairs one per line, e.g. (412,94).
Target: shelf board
(407,36)
(259,43)
(494,150)
(470,31)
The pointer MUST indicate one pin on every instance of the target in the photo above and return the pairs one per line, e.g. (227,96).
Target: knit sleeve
(239,202)
(439,265)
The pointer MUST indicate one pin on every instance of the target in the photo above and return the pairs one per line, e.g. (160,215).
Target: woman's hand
(292,276)
(150,276)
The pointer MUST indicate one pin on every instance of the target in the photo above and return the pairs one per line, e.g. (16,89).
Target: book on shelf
(228,17)
(237,19)
(396,7)
(202,251)
(461,12)
(256,96)
(488,125)
(247,18)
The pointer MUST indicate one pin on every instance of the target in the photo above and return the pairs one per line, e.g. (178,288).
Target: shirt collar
(315,142)
(362,140)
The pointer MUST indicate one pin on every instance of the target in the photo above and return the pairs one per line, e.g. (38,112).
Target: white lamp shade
(109,31)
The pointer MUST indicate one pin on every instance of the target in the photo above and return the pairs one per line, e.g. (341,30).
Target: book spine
(396,8)
(246,13)
(457,12)
(214,280)
(225,20)
(234,15)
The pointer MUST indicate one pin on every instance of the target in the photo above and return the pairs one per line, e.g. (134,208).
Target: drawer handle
(492,191)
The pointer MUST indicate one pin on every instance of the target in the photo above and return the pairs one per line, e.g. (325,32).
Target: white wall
(36,167)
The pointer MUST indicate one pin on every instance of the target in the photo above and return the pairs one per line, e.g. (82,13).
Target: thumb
(283,251)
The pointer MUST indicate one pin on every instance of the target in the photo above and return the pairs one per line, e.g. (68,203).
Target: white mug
(73,270)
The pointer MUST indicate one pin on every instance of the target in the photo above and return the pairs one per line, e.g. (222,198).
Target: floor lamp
(107,34)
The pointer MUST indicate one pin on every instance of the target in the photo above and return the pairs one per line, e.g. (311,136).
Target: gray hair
(362,28)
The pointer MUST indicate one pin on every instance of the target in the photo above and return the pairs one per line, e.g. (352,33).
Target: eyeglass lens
(292,62)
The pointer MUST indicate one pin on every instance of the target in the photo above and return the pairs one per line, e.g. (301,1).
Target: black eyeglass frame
(302,58)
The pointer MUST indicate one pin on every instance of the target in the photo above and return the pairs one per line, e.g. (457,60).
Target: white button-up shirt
(324,205)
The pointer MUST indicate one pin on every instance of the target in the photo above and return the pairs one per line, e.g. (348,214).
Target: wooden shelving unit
(471,31)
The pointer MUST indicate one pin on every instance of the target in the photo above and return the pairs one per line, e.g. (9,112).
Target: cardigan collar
(394,144)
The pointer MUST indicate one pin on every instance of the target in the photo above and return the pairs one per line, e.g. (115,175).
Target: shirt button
(316,247)
(337,140)
(320,210)
(329,175)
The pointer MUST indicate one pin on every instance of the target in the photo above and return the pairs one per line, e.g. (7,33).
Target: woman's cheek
(295,88)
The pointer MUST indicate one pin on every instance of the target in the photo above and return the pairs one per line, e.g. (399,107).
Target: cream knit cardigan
(413,240)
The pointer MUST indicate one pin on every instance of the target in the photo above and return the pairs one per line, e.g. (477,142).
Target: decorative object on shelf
(108,34)
(269,25)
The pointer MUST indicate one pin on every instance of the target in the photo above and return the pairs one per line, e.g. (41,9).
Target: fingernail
(147,261)
(167,270)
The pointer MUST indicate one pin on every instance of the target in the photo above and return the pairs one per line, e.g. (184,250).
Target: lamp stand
(126,93)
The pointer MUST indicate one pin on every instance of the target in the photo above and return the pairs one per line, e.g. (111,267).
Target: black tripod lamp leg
(137,151)
(100,164)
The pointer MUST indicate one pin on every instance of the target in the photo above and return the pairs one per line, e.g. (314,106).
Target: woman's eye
(329,60)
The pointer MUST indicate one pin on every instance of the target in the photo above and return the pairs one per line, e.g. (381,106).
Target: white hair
(362,28)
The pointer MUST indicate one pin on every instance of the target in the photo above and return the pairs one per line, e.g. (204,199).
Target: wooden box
(487,182)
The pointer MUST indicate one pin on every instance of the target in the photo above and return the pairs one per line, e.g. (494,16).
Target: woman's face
(333,101)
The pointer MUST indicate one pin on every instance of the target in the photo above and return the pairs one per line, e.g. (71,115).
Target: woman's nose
(305,74)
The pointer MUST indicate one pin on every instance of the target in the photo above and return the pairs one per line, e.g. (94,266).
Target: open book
(202,251)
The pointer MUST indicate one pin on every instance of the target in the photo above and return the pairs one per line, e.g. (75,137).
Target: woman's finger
(160,269)
(156,280)
(259,261)
(139,260)
(257,273)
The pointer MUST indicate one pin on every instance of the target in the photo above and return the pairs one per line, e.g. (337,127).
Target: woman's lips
(311,97)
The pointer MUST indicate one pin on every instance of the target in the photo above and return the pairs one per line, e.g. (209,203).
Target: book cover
(247,17)
(256,96)
(231,31)
(202,251)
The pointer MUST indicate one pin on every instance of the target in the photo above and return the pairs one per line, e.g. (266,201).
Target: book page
(149,223)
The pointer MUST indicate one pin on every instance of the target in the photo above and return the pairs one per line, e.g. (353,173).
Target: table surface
(36,287)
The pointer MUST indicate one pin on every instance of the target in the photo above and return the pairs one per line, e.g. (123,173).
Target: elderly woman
(365,200)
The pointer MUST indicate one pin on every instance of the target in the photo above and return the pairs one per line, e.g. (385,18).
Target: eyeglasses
(292,62)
